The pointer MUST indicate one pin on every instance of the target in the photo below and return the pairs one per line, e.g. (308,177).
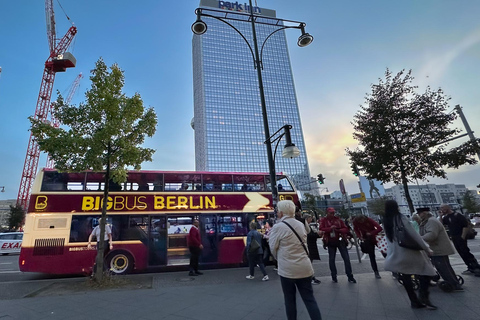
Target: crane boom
(56,62)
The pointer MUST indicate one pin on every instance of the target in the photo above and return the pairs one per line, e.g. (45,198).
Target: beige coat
(408,261)
(433,232)
(293,261)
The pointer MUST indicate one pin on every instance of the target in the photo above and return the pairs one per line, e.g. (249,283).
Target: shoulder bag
(254,246)
(404,239)
(299,239)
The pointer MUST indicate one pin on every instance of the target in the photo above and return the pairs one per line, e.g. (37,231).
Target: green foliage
(401,133)
(107,128)
(377,206)
(15,217)
(470,202)
(103,133)
(309,202)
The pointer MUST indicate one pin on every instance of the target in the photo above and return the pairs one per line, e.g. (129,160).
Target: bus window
(95,181)
(232,224)
(217,182)
(182,182)
(249,183)
(283,184)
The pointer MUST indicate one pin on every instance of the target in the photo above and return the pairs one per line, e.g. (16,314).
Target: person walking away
(366,230)
(433,232)
(457,227)
(312,237)
(107,245)
(408,262)
(195,246)
(255,255)
(266,247)
(334,229)
(294,267)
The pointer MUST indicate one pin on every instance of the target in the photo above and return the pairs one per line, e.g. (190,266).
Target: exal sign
(235,6)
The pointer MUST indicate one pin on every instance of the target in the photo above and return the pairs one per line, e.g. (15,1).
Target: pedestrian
(416,222)
(458,227)
(433,232)
(367,230)
(312,236)
(107,244)
(335,235)
(287,243)
(266,247)
(408,262)
(255,253)
(195,246)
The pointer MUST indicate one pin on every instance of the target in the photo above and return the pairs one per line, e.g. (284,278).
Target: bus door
(157,249)
(209,234)
(177,249)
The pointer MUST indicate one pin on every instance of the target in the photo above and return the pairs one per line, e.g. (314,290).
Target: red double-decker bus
(150,216)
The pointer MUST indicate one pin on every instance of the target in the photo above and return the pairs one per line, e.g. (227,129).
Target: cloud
(437,65)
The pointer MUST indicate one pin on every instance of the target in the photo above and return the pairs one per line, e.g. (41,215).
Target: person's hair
(287,207)
(391,210)
(360,218)
(253,225)
(445,206)
(416,217)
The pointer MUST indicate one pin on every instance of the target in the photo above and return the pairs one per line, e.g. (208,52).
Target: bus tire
(119,262)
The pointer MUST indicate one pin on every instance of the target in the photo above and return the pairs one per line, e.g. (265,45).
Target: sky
(355,41)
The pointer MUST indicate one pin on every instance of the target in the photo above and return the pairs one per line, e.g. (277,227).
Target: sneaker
(249,277)
(377,275)
(313,282)
(316,281)
(334,279)
(266,278)
(352,280)
(275,269)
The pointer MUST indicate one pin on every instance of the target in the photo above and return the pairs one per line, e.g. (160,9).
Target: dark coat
(312,238)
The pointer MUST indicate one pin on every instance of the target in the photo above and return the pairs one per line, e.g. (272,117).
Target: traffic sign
(358,197)
(342,186)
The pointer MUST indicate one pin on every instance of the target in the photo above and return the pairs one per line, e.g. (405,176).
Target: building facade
(228,121)
(427,195)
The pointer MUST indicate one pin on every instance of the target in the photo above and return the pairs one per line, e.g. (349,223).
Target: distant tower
(228,122)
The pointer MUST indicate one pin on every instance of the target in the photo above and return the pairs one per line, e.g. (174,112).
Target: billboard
(372,188)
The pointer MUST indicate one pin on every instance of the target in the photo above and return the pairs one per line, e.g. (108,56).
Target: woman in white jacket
(408,262)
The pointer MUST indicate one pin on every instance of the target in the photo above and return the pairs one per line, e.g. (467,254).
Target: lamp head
(290,151)
(199,27)
(305,39)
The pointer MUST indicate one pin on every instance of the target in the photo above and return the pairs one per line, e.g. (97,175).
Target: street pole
(271,164)
(467,128)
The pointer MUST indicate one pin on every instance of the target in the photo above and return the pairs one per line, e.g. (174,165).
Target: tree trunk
(405,188)
(101,242)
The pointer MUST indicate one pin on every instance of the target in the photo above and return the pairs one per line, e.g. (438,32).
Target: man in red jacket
(195,245)
(335,229)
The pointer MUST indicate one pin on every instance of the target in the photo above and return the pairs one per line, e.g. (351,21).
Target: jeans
(444,268)
(332,252)
(194,257)
(464,252)
(254,259)
(305,289)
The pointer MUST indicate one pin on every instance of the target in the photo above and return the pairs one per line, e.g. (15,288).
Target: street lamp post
(199,27)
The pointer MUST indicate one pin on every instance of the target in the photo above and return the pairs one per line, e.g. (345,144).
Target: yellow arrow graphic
(256,202)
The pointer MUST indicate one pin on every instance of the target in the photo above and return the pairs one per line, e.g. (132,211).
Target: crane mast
(58,61)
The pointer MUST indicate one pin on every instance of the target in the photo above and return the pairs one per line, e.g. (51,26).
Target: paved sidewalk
(226,294)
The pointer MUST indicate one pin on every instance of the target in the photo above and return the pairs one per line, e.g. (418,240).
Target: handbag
(254,246)
(366,246)
(404,239)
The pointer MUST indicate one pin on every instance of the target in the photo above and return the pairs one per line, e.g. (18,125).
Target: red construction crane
(54,121)
(58,61)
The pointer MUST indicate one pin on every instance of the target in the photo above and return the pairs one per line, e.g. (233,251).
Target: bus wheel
(120,262)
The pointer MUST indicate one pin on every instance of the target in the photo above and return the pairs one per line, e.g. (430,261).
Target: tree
(309,202)
(403,134)
(104,133)
(377,206)
(15,217)
(470,203)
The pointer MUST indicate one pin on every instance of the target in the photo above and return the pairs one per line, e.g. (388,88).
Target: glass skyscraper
(228,122)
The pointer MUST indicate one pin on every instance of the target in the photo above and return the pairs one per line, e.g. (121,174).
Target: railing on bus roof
(145,181)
